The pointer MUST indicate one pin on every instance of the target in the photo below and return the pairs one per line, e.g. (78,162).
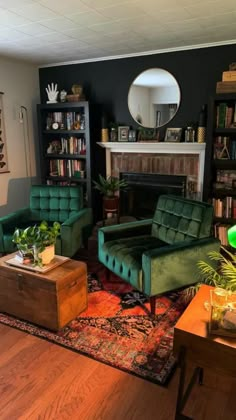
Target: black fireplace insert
(140,198)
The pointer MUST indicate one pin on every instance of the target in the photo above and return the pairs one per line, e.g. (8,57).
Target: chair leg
(107,274)
(153,304)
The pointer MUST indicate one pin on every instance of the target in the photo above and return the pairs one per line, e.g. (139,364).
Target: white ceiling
(57,31)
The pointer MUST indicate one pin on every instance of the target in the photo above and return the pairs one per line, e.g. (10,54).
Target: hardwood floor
(40,380)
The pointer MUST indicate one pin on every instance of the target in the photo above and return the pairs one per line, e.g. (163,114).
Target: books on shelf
(66,120)
(67,145)
(226,115)
(224,207)
(220,232)
(65,167)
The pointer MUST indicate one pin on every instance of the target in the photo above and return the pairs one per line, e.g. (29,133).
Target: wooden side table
(192,341)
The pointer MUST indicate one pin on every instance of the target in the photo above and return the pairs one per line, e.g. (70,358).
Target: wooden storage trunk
(50,300)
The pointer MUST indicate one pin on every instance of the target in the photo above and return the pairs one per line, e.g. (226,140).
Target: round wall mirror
(154,98)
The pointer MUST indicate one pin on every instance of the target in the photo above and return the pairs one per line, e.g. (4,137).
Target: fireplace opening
(140,198)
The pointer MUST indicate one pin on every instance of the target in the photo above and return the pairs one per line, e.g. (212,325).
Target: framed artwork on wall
(173,134)
(3,146)
(123,133)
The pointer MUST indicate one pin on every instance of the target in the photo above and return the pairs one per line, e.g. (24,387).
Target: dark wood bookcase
(64,145)
(220,169)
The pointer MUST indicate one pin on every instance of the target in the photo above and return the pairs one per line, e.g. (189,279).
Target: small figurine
(52,93)
(49,149)
(63,95)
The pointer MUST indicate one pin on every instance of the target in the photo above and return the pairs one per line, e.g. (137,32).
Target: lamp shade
(232,236)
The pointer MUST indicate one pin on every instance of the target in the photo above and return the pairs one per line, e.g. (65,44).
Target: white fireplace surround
(158,148)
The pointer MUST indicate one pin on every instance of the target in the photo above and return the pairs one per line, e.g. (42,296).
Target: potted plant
(36,244)
(109,188)
(225,275)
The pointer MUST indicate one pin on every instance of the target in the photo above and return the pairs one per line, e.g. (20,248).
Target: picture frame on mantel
(173,134)
(123,133)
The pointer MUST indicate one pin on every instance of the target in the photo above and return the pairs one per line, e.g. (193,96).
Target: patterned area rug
(117,329)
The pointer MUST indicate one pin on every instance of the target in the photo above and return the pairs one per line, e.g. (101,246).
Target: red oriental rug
(117,329)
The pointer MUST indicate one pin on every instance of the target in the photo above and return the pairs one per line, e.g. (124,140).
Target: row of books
(220,232)
(67,167)
(66,120)
(226,115)
(71,145)
(224,207)
(224,148)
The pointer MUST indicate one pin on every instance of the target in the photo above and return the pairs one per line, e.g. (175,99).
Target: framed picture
(123,133)
(173,134)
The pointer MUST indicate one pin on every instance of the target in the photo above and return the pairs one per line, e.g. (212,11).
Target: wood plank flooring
(43,381)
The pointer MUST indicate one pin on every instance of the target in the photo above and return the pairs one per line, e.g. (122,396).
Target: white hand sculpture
(52,93)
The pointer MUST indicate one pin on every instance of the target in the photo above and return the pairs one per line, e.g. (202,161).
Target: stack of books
(228,83)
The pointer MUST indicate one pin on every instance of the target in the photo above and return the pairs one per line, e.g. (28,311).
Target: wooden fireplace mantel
(157,148)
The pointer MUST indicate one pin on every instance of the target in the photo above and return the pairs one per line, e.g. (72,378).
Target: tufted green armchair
(160,255)
(63,204)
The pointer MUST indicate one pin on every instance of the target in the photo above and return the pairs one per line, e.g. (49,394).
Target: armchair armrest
(124,230)
(175,266)
(16,216)
(72,231)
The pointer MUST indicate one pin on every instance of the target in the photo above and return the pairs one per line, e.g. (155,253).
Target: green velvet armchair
(63,204)
(160,255)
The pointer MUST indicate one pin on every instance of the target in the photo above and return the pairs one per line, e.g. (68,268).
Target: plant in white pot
(37,243)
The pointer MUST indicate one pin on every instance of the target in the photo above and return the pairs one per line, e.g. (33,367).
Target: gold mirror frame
(154,98)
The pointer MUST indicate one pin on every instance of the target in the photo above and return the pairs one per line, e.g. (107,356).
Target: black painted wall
(106,83)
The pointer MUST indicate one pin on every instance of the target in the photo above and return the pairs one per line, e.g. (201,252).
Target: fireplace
(140,198)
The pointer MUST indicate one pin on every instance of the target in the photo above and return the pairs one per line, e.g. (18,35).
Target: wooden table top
(192,332)
(59,275)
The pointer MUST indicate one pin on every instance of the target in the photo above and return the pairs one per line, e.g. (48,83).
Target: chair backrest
(55,203)
(180,219)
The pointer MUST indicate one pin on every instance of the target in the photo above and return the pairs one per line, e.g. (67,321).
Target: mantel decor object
(173,134)
(123,133)
(52,93)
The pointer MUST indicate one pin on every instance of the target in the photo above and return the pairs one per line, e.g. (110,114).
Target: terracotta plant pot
(110,204)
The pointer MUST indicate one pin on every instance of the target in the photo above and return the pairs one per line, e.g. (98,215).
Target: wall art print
(3,145)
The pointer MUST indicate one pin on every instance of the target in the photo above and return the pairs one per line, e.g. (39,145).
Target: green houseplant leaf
(225,275)
(110,185)
(32,240)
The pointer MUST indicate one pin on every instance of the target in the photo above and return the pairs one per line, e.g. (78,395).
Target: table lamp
(232,236)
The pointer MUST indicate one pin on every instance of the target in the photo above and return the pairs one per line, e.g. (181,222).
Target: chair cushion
(124,256)
(177,219)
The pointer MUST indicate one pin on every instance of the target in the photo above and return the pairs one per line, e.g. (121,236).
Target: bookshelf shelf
(221,139)
(64,140)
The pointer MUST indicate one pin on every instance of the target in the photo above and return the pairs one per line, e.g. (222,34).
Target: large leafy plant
(108,186)
(224,275)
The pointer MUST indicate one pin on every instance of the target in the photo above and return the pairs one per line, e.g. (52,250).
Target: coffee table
(50,299)
(192,341)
